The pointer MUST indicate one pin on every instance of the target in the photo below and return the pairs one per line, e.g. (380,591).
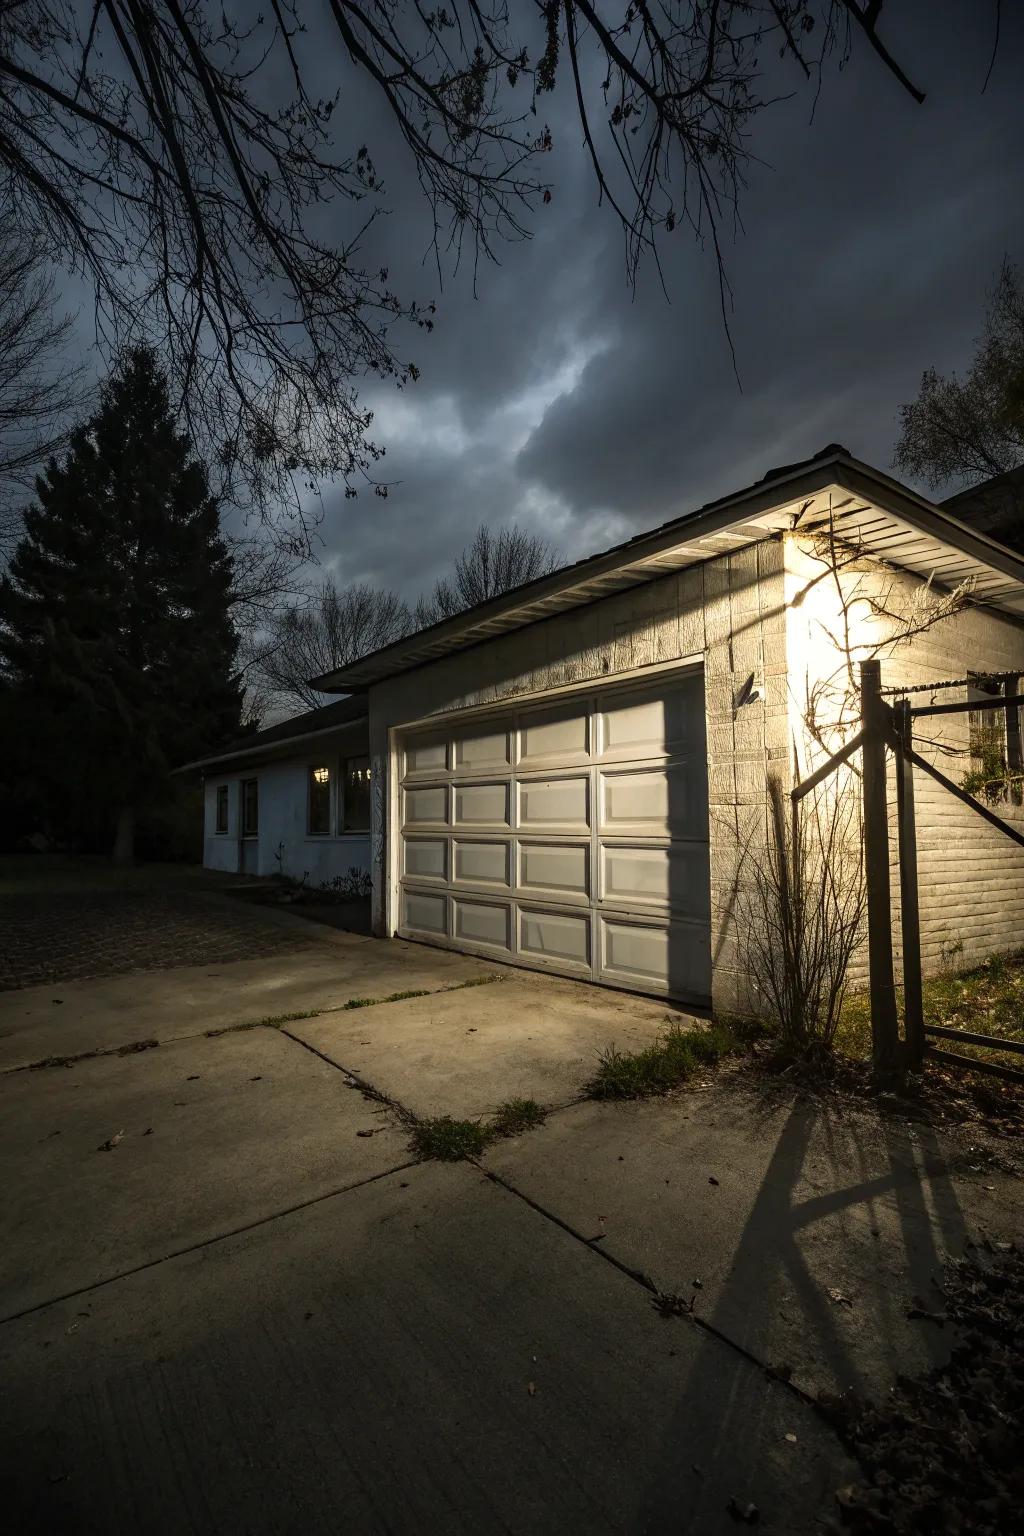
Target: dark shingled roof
(327,717)
(996,507)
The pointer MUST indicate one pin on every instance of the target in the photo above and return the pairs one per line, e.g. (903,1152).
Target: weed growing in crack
(449,1140)
(516,1116)
(661,1066)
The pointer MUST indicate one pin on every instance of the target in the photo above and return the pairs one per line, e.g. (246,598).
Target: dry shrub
(807,914)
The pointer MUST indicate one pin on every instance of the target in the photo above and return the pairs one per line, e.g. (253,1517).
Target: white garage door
(571,837)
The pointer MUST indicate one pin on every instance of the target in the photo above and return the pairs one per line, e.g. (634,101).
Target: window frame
(344,830)
(244,786)
(311,768)
(222,798)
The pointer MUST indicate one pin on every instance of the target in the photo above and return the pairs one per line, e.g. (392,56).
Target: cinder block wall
(971,877)
(730,612)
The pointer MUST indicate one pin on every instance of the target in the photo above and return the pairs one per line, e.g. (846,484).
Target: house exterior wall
(283,819)
(220,850)
(728,613)
(971,877)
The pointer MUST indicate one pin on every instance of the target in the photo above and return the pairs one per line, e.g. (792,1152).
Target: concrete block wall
(971,877)
(729,613)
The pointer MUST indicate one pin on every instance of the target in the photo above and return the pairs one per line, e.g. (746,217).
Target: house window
(250,808)
(222,808)
(319,822)
(987,727)
(355,796)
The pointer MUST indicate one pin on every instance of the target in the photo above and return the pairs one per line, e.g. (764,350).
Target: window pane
(319,801)
(250,808)
(222,807)
(356,797)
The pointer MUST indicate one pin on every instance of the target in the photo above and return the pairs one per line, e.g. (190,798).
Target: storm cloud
(558,398)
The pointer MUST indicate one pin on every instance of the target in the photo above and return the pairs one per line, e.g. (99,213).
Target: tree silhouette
(494,562)
(117,650)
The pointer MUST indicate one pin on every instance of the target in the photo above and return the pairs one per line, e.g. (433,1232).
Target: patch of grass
(661,1066)
(450,1140)
(475,981)
(392,997)
(516,1116)
(987,999)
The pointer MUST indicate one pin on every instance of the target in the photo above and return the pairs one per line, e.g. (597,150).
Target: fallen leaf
(111,1143)
(149,1132)
(837,1296)
(531,1388)
(712,1180)
(364,1133)
(791,1438)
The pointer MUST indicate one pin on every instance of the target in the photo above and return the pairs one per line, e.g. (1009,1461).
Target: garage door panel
(425,858)
(481,922)
(482,804)
(654,802)
(661,725)
(483,862)
(668,956)
(429,755)
(562,734)
(547,803)
(675,875)
(425,912)
(425,805)
(555,936)
(484,749)
(561,870)
(572,837)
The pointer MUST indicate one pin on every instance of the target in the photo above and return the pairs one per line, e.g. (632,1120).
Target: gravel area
(70,935)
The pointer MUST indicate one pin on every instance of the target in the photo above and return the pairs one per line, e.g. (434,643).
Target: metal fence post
(913,998)
(885,1040)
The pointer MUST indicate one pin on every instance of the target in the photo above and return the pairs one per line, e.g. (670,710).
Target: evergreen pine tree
(117,651)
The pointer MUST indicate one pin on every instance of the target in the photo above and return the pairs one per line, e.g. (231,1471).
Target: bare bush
(807,914)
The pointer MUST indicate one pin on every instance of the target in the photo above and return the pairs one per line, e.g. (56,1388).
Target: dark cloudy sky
(558,399)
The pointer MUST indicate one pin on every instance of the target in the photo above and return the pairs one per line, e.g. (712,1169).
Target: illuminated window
(222,808)
(355,798)
(319,801)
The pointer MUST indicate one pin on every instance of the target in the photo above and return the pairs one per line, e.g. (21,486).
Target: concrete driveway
(232,1299)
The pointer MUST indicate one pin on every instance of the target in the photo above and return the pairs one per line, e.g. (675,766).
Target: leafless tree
(496,561)
(330,628)
(39,389)
(141,139)
(972,428)
(806,916)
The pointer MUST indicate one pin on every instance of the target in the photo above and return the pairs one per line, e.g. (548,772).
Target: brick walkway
(69,935)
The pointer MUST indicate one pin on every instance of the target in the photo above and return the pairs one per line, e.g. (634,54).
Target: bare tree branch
(141,145)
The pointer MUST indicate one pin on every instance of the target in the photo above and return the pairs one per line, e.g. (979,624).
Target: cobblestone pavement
(67,935)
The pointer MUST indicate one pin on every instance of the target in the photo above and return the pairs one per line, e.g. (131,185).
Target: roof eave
(282,747)
(805,480)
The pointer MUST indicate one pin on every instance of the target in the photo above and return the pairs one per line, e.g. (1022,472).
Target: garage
(570,836)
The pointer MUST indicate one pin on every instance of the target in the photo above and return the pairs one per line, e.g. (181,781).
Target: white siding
(283,817)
